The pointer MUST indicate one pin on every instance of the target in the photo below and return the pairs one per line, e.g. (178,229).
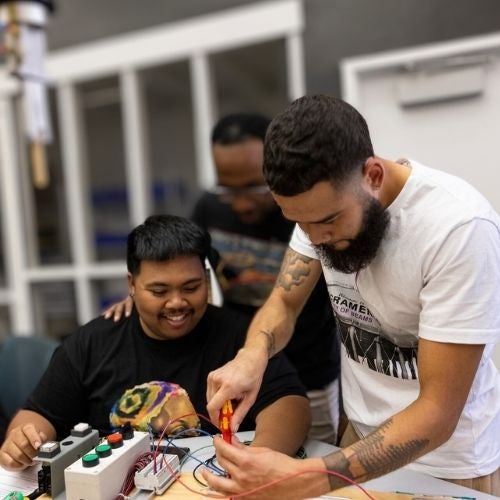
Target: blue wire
(151,434)
(184,431)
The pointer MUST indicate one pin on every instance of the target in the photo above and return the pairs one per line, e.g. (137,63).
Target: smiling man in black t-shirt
(251,235)
(172,335)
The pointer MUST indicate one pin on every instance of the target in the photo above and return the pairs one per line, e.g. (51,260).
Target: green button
(14,495)
(103,450)
(90,460)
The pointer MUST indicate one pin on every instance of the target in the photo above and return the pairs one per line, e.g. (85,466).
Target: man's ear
(131,284)
(373,173)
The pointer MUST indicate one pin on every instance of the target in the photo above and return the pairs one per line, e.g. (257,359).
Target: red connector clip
(225,415)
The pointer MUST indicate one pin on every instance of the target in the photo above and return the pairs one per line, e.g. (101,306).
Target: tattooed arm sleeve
(275,320)
(373,456)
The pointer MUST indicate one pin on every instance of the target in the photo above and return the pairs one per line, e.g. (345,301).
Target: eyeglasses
(228,193)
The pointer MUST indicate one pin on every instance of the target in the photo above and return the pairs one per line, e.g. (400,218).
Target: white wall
(453,125)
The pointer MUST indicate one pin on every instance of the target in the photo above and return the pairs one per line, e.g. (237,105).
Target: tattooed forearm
(271,342)
(376,456)
(373,456)
(294,267)
(338,462)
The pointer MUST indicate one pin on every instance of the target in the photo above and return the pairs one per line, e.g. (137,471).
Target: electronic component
(225,415)
(81,429)
(90,460)
(56,456)
(103,450)
(126,430)
(180,451)
(15,495)
(115,440)
(49,449)
(167,466)
(99,475)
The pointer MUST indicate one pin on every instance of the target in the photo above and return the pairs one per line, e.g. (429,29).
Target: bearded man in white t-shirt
(411,258)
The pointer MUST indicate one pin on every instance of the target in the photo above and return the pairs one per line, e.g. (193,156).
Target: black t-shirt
(251,256)
(4,423)
(94,367)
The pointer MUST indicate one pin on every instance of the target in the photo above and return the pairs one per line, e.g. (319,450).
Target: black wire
(301,453)
(196,479)
(35,494)
(208,462)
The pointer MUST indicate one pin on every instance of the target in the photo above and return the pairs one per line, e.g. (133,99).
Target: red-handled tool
(225,415)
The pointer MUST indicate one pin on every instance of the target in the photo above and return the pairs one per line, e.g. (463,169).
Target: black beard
(364,247)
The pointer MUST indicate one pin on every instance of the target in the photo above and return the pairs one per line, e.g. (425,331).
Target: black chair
(22,362)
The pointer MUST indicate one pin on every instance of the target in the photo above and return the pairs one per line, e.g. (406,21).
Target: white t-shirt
(436,276)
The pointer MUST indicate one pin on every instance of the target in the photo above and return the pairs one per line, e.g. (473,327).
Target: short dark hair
(237,127)
(317,138)
(165,237)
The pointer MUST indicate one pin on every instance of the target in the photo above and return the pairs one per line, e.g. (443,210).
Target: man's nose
(175,300)
(318,235)
(242,204)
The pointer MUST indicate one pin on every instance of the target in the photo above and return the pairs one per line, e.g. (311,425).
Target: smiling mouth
(176,318)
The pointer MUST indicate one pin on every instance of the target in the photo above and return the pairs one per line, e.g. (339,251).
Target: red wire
(140,462)
(271,483)
(156,452)
(258,488)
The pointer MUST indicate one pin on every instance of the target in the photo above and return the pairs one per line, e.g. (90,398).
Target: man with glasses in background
(251,235)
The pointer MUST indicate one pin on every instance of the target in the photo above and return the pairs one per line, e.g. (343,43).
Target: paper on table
(25,481)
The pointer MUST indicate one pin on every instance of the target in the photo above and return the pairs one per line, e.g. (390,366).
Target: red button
(115,440)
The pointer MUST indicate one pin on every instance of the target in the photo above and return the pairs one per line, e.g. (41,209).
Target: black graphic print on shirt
(365,342)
